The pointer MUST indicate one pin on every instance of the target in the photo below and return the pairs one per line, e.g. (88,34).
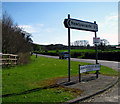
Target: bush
(75,54)
(23,58)
(57,51)
(90,55)
(111,56)
(46,51)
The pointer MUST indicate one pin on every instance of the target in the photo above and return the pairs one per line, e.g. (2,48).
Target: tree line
(14,39)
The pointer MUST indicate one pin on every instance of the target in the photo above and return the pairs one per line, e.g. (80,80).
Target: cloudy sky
(44,20)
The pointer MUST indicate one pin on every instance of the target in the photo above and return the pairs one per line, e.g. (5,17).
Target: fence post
(15,60)
(79,74)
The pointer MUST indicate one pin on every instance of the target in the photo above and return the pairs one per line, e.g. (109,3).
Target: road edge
(87,97)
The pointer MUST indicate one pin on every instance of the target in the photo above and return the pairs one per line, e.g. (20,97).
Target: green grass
(85,50)
(45,95)
(36,74)
(74,50)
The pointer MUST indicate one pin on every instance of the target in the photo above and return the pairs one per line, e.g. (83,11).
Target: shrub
(23,58)
(75,54)
(57,51)
(112,56)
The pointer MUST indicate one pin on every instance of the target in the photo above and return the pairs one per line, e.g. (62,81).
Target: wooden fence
(8,59)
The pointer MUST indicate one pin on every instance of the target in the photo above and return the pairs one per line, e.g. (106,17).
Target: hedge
(111,56)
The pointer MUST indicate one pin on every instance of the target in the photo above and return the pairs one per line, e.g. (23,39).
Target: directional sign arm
(65,23)
(80,25)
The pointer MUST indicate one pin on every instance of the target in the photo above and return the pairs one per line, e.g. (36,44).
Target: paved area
(108,96)
(89,85)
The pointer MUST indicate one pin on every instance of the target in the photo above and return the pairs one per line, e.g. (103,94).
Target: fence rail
(8,59)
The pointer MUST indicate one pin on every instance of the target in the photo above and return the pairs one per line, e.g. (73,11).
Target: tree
(36,47)
(103,44)
(88,46)
(81,43)
(14,39)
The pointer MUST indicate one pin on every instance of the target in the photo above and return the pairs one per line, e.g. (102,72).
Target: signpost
(87,68)
(79,25)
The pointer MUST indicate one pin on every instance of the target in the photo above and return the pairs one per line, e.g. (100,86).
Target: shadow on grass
(30,91)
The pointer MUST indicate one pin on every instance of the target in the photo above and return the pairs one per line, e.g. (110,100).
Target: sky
(44,20)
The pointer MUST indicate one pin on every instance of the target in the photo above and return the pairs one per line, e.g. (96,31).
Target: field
(85,50)
(74,50)
(30,83)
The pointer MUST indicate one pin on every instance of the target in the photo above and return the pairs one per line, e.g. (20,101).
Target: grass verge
(38,73)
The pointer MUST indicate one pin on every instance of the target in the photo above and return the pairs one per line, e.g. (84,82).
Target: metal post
(36,55)
(96,53)
(69,51)
(79,74)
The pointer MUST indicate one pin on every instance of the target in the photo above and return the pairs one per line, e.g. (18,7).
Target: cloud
(27,28)
(36,28)
(109,21)
(39,32)
(41,25)
(108,29)
(112,18)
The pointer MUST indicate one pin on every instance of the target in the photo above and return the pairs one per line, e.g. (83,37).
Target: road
(110,95)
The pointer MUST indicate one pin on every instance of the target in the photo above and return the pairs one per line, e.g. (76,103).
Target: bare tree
(81,43)
(14,39)
(103,44)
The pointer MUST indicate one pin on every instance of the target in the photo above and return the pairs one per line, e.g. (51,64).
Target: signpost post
(79,74)
(96,52)
(80,25)
(69,51)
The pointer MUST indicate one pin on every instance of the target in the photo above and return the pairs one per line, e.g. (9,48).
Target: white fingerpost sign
(87,68)
(80,25)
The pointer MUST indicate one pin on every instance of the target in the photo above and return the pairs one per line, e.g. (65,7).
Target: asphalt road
(110,95)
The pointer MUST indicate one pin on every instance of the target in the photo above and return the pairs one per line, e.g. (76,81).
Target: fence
(8,59)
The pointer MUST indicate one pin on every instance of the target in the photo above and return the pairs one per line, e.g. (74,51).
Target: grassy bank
(38,73)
